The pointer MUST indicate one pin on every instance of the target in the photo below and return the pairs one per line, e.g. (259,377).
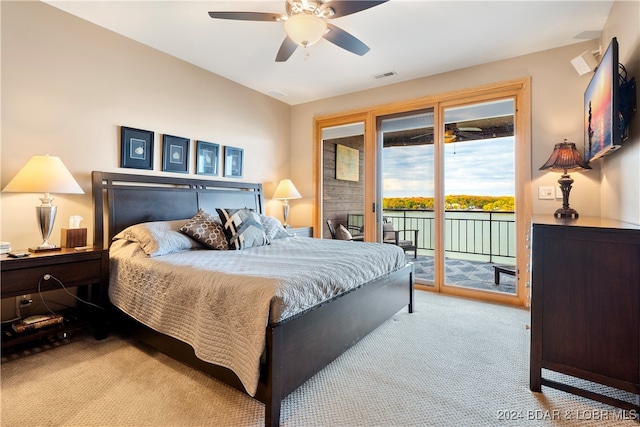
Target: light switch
(546,193)
(558,193)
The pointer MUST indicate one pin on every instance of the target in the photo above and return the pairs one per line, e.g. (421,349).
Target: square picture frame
(233,162)
(175,154)
(207,158)
(136,148)
(347,163)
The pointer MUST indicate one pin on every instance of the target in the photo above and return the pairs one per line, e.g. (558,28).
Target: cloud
(480,167)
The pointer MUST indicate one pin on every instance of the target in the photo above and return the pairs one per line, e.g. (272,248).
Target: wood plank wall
(341,197)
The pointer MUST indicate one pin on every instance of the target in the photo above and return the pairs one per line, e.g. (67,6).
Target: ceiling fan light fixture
(305,29)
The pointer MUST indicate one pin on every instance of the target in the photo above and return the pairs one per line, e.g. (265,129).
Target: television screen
(601,122)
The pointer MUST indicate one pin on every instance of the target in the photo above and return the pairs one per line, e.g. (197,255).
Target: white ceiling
(412,38)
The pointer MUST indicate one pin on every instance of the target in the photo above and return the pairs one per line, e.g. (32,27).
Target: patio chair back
(332,229)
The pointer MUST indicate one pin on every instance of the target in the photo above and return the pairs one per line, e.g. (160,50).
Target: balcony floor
(466,274)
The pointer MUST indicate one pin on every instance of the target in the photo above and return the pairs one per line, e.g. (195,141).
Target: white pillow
(343,234)
(159,237)
(272,228)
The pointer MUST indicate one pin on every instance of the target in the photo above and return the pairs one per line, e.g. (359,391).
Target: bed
(296,344)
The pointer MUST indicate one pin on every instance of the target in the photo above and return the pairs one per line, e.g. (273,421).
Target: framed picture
(233,162)
(207,155)
(347,163)
(175,154)
(136,148)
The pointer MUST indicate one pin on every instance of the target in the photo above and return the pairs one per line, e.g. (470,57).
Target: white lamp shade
(286,190)
(305,29)
(44,174)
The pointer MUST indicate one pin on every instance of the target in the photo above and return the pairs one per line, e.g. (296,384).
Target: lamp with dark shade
(285,191)
(44,174)
(565,158)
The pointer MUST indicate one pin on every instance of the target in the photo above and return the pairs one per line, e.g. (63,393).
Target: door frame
(520,91)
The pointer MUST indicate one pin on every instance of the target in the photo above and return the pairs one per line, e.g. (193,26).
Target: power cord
(50,277)
(11,320)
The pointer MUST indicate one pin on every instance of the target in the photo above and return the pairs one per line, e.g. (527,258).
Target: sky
(479,168)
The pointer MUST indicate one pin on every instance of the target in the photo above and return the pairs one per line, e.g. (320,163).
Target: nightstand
(86,270)
(301,231)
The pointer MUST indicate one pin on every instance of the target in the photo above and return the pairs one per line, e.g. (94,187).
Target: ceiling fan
(305,23)
(453,132)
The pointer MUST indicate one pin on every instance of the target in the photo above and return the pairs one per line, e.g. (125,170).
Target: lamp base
(37,249)
(285,213)
(566,213)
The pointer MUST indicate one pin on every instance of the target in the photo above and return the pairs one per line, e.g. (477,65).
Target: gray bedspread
(220,302)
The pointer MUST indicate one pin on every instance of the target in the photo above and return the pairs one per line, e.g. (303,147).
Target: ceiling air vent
(385,75)
(276,93)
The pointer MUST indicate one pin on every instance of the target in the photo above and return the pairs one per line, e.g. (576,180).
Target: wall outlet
(23,301)
(558,193)
(546,193)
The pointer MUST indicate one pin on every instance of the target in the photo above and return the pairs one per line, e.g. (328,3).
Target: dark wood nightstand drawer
(21,276)
(25,281)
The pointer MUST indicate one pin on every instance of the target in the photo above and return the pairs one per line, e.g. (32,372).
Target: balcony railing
(487,236)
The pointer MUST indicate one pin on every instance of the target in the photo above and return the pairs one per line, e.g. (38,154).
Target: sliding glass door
(343,181)
(406,147)
(456,168)
(479,196)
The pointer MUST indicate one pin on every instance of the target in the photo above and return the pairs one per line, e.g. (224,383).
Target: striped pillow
(242,228)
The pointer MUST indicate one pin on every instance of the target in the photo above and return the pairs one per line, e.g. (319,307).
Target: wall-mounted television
(609,104)
(602,133)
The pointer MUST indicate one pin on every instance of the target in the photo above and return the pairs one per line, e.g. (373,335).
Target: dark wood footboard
(300,347)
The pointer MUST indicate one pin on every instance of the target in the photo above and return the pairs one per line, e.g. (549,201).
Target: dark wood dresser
(585,307)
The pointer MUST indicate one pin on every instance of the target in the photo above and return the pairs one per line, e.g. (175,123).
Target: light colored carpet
(454,362)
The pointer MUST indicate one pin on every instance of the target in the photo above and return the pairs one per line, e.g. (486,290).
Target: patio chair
(342,233)
(392,236)
(332,229)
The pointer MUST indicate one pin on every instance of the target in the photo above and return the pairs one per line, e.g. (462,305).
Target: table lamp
(565,158)
(285,191)
(44,174)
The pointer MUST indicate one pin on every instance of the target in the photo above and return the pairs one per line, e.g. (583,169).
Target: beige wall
(67,87)
(610,190)
(620,191)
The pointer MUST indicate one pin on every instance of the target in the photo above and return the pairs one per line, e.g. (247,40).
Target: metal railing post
(491,237)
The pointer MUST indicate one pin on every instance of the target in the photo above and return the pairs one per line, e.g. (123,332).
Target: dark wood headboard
(121,200)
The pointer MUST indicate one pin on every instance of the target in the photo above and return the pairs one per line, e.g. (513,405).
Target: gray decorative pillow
(342,233)
(158,237)
(206,229)
(242,227)
(272,228)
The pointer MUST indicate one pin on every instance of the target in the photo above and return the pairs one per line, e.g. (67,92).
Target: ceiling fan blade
(247,16)
(345,40)
(287,48)
(347,7)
